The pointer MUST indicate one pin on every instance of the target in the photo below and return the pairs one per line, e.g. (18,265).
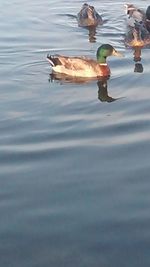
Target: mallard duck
(88,16)
(137,33)
(148,19)
(83,66)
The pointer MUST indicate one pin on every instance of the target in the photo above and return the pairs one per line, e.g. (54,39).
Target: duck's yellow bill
(117,54)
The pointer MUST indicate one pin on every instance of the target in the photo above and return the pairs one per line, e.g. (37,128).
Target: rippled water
(75,183)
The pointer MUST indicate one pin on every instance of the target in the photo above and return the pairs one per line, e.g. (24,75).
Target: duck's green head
(106,50)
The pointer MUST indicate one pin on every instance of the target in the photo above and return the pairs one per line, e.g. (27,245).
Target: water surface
(74,183)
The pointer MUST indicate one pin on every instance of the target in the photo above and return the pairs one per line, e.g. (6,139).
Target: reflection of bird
(138,68)
(63,78)
(103,93)
(88,16)
(92,33)
(101,82)
(148,19)
(137,58)
(83,66)
(137,53)
(137,33)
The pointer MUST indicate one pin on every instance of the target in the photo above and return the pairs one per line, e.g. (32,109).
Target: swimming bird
(137,33)
(148,19)
(83,66)
(88,16)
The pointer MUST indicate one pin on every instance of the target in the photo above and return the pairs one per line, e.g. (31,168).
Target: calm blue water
(75,172)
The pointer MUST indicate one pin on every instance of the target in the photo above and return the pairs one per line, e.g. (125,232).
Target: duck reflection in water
(92,33)
(63,78)
(103,95)
(103,92)
(137,59)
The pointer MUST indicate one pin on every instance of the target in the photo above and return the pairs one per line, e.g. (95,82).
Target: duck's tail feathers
(53,60)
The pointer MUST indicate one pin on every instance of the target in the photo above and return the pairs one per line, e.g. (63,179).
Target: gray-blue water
(74,169)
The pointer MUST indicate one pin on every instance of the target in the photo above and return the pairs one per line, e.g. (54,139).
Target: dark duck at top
(137,33)
(88,16)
